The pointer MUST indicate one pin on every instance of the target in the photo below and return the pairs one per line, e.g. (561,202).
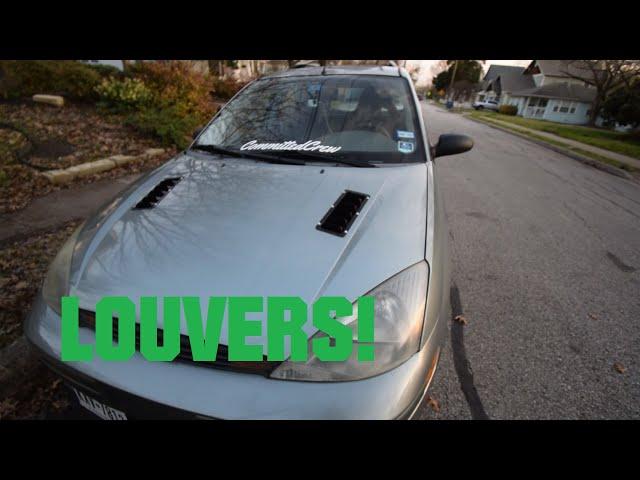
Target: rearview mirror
(197,132)
(452,144)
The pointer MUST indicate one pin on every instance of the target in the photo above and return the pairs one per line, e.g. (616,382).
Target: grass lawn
(607,139)
(585,153)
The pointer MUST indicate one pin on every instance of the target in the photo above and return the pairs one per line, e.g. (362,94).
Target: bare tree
(605,75)
(216,67)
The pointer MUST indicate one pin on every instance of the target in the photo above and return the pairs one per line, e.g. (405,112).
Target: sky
(425,67)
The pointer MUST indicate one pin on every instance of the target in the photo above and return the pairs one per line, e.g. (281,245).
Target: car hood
(238,227)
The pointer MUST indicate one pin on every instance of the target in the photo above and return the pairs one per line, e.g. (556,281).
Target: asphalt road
(546,269)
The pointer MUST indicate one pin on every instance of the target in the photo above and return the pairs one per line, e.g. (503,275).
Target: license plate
(100,409)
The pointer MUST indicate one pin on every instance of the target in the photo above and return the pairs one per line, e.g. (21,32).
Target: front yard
(618,142)
(62,137)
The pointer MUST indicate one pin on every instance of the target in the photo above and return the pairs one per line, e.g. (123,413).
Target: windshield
(343,116)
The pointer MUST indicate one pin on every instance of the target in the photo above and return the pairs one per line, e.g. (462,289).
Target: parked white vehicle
(488,105)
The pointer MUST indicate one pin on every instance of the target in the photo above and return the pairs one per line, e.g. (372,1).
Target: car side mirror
(452,144)
(197,132)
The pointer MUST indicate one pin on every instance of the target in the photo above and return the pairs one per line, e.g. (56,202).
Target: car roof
(384,70)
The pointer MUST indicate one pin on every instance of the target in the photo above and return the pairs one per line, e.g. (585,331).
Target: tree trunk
(214,67)
(595,111)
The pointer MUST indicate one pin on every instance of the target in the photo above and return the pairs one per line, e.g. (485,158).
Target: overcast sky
(425,67)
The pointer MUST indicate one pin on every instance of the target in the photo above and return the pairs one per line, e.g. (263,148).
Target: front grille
(87,319)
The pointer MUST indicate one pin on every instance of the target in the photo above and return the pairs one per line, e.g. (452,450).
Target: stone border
(618,172)
(84,169)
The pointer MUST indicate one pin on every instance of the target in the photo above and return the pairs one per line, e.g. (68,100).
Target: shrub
(508,109)
(225,88)
(177,85)
(166,124)
(179,100)
(124,94)
(106,70)
(70,78)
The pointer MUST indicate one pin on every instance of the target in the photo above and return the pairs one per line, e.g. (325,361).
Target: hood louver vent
(157,194)
(343,213)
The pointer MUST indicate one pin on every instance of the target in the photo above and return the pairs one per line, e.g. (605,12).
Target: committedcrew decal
(286,317)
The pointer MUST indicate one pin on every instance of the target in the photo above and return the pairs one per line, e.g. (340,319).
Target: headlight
(399,316)
(56,283)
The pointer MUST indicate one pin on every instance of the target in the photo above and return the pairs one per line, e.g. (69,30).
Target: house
(545,89)
(501,78)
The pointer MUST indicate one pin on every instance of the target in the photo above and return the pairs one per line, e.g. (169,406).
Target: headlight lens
(399,316)
(56,283)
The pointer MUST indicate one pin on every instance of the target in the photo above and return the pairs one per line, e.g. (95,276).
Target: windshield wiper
(328,159)
(242,154)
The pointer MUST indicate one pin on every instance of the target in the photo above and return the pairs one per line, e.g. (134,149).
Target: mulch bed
(63,137)
(23,265)
(36,392)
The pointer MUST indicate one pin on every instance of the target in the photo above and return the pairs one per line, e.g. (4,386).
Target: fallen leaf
(460,319)
(619,367)
(434,404)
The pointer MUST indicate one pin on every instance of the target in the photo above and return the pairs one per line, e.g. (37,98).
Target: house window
(538,102)
(564,106)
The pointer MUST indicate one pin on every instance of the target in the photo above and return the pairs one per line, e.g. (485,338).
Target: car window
(371,117)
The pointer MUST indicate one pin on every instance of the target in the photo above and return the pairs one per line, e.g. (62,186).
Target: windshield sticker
(405,147)
(310,146)
(405,134)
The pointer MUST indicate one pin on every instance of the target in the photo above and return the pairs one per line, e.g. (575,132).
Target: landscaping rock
(90,168)
(152,152)
(55,100)
(58,177)
(122,159)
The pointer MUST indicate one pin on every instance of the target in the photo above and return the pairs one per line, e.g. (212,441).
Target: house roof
(497,70)
(560,68)
(562,90)
(511,81)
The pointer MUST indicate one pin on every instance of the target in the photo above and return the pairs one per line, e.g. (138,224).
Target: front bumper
(145,389)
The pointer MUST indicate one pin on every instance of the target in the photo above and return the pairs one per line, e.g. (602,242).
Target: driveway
(546,259)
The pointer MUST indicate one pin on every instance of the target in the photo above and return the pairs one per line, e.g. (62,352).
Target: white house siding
(538,79)
(519,102)
(579,116)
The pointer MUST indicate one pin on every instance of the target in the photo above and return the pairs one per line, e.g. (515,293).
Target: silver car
(254,207)
(486,105)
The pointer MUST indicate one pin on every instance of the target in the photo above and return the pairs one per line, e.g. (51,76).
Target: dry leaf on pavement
(434,404)
(461,319)
(619,367)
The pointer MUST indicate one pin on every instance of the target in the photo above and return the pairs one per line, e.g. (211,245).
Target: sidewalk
(60,207)
(633,162)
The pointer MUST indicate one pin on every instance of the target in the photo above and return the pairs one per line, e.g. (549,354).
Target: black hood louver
(157,194)
(343,213)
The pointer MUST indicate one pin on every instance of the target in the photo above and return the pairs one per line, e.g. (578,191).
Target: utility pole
(453,75)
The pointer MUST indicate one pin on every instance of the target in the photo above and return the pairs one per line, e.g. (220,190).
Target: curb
(618,172)
(82,170)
